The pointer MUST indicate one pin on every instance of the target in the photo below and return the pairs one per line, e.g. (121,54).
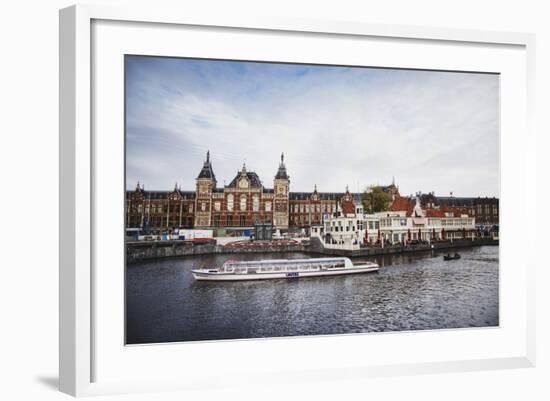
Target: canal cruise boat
(283,269)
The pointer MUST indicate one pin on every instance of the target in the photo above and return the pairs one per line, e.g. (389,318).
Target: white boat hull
(204,275)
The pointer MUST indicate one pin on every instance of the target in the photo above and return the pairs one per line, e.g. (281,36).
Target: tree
(375,199)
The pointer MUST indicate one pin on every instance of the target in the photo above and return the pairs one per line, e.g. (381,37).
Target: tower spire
(281,172)
(207,171)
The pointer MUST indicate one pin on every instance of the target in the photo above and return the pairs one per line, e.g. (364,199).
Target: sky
(337,126)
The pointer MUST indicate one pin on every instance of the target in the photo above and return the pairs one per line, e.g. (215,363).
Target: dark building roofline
(323,195)
(251,175)
(292,195)
(207,171)
(163,194)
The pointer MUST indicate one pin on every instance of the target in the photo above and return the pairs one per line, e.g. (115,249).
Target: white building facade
(404,227)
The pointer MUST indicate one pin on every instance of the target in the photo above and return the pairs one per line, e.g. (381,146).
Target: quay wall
(136,251)
(317,246)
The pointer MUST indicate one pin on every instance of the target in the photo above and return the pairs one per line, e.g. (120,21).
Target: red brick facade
(240,204)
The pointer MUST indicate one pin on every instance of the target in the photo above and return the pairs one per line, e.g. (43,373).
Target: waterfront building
(241,203)
(237,207)
(485,209)
(154,209)
(310,209)
(404,222)
(245,203)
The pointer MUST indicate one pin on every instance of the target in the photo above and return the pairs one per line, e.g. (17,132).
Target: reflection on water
(410,292)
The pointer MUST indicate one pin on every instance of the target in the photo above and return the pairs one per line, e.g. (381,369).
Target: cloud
(433,131)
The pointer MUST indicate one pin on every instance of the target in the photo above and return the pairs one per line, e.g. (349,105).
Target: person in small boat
(457,255)
(448,255)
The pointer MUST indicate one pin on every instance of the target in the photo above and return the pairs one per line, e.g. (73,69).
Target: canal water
(410,292)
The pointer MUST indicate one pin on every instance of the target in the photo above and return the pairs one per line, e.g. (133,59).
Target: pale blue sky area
(338,126)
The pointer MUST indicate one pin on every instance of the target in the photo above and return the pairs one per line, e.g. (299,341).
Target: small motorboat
(449,257)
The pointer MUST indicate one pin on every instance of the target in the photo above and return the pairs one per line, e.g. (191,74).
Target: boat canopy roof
(284,261)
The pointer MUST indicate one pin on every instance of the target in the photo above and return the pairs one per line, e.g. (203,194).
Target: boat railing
(282,265)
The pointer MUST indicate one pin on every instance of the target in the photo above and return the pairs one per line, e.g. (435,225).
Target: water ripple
(410,292)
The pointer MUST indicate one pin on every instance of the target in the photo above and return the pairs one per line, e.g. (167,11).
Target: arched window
(243,203)
(256,203)
(229,203)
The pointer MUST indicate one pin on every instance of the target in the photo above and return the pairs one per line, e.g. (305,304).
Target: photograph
(272,199)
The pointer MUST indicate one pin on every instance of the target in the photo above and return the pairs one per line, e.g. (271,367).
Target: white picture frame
(79,344)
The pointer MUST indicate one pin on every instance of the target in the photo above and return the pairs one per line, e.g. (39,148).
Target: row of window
(229,221)
(305,219)
(158,208)
(242,204)
(456,222)
(393,222)
(308,208)
(486,209)
(162,222)
(346,228)
(338,225)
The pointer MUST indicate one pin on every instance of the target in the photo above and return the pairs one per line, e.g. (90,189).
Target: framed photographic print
(238,194)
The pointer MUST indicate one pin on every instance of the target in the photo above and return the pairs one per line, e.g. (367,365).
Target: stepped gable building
(239,205)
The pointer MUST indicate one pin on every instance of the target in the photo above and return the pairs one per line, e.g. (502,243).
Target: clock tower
(281,185)
(206,183)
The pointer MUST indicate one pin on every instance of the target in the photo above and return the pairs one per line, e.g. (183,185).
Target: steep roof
(207,171)
(401,204)
(252,177)
(281,172)
(407,205)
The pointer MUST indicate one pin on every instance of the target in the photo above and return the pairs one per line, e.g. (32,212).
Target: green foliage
(375,199)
